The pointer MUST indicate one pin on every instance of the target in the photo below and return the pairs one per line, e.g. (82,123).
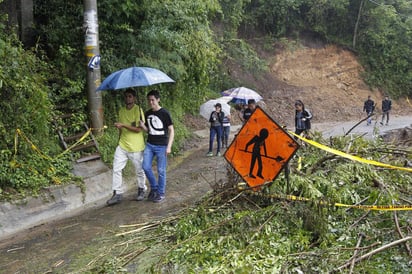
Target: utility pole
(91,28)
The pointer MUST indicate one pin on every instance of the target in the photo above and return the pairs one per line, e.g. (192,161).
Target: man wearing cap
(216,122)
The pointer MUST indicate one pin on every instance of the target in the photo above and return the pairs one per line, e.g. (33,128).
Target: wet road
(371,131)
(51,247)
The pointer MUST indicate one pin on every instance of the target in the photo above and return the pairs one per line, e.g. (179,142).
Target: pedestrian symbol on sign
(260,150)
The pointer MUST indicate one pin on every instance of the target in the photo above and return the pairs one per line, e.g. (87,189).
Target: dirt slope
(326,78)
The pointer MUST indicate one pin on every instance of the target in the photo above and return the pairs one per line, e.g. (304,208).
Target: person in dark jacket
(216,121)
(251,106)
(369,107)
(302,118)
(386,108)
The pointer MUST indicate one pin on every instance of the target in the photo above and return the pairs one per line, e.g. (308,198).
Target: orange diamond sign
(260,150)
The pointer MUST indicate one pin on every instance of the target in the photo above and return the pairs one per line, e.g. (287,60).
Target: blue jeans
(159,152)
(225,135)
(369,121)
(215,131)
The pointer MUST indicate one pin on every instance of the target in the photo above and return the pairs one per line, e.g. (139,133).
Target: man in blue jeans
(369,107)
(159,127)
(216,120)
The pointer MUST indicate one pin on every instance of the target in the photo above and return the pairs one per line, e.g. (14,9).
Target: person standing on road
(225,130)
(386,108)
(130,147)
(240,108)
(159,126)
(369,107)
(302,119)
(216,121)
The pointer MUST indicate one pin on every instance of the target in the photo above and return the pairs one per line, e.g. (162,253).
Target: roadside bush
(25,123)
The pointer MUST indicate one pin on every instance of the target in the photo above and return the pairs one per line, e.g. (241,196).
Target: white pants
(119,163)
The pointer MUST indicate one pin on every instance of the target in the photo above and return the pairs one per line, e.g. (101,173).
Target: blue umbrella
(134,77)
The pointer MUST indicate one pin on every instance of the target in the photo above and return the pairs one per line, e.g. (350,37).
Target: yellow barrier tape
(299,163)
(76,143)
(303,199)
(36,149)
(348,156)
(19,132)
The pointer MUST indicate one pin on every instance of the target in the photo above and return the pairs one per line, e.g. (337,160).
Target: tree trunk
(20,18)
(355,32)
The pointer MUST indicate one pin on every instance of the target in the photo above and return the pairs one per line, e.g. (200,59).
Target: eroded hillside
(329,82)
(326,78)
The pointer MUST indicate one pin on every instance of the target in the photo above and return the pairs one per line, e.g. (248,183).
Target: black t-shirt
(158,123)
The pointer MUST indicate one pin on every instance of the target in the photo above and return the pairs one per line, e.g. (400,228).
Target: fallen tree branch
(357,124)
(201,232)
(398,229)
(405,200)
(319,163)
(358,203)
(360,248)
(265,222)
(364,215)
(355,253)
(373,252)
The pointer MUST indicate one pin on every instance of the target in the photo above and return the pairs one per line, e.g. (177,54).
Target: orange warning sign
(260,149)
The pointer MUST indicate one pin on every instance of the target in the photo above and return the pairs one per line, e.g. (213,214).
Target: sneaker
(116,198)
(158,198)
(209,154)
(218,154)
(140,194)
(151,195)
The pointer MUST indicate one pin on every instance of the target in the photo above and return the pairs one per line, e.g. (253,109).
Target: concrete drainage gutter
(61,202)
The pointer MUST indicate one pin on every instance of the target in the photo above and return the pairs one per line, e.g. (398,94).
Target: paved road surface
(340,128)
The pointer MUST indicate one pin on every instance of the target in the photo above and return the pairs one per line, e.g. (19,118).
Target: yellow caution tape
(36,149)
(303,199)
(19,132)
(299,163)
(76,143)
(348,156)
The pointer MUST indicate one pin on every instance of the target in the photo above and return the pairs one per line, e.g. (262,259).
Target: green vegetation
(237,230)
(192,41)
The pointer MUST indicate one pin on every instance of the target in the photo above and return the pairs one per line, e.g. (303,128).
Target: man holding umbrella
(130,147)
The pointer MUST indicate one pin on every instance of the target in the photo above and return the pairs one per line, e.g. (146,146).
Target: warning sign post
(261,149)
